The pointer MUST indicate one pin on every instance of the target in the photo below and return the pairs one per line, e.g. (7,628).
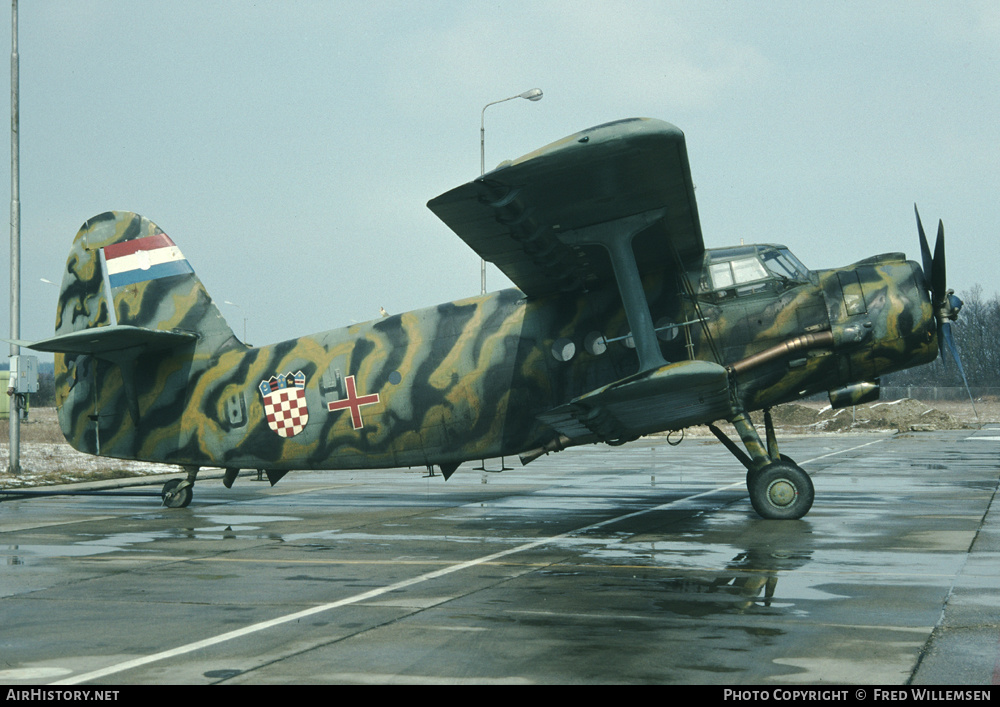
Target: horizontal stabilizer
(110,339)
(670,397)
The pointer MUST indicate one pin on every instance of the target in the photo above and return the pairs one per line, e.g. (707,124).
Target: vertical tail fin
(134,323)
(123,270)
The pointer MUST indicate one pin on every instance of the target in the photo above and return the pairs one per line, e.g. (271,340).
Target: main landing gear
(779,488)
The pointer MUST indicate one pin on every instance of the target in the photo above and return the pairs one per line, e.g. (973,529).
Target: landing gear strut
(177,493)
(779,488)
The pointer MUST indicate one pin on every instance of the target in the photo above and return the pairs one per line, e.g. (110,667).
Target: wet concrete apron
(639,564)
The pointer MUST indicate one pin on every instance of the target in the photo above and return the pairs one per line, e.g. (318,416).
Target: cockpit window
(746,270)
(736,272)
(722,276)
(785,265)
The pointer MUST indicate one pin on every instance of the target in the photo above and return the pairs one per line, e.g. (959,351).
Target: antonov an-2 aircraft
(623,324)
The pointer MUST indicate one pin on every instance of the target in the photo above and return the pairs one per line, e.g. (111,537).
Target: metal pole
(534,94)
(482,171)
(15,244)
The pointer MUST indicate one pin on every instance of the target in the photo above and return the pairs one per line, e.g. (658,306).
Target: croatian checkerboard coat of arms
(285,403)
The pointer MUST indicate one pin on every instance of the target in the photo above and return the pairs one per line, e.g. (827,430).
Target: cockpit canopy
(747,270)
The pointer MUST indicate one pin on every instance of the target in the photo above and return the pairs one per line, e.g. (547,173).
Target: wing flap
(671,397)
(522,215)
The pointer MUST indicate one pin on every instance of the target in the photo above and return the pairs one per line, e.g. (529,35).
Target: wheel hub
(176,494)
(781,493)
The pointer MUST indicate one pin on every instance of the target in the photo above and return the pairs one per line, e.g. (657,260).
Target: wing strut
(616,237)
(689,290)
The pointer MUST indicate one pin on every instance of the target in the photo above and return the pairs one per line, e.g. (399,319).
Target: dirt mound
(905,415)
(794,415)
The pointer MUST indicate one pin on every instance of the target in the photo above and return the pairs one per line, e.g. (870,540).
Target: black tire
(782,457)
(781,491)
(174,497)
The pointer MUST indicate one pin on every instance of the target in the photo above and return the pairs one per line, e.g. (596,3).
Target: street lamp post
(534,94)
(14,421)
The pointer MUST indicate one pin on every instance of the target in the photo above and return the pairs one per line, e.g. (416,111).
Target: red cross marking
(353,402)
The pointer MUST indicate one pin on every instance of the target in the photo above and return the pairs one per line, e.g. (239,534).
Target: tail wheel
(177,493)
(781,491)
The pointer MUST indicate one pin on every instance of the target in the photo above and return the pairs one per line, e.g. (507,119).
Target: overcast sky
(290,147)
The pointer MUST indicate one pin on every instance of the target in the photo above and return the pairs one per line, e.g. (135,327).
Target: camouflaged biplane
(622,324)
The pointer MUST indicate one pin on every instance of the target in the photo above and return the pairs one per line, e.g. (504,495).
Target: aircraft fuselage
(465,380)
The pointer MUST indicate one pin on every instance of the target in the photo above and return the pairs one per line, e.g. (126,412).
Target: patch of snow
(45,463)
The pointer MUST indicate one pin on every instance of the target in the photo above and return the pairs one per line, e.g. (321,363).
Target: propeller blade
(925,251)
(946,340)
(938,284)
(949,339)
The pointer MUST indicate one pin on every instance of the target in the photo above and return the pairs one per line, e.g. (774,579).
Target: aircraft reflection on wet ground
(750,579)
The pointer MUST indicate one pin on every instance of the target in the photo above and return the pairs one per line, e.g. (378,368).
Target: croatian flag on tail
(144,259)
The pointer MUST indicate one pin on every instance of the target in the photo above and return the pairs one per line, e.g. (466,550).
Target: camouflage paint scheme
(472,374)
(456,382)
(520,371)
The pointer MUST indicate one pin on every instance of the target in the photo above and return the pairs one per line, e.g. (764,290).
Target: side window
(748,270)
(721,275)
(737,274)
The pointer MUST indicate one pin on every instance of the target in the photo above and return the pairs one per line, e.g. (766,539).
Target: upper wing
(523,215)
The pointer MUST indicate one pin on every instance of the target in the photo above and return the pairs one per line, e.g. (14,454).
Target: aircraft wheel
(175,495)
(753,472)
(781,491)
